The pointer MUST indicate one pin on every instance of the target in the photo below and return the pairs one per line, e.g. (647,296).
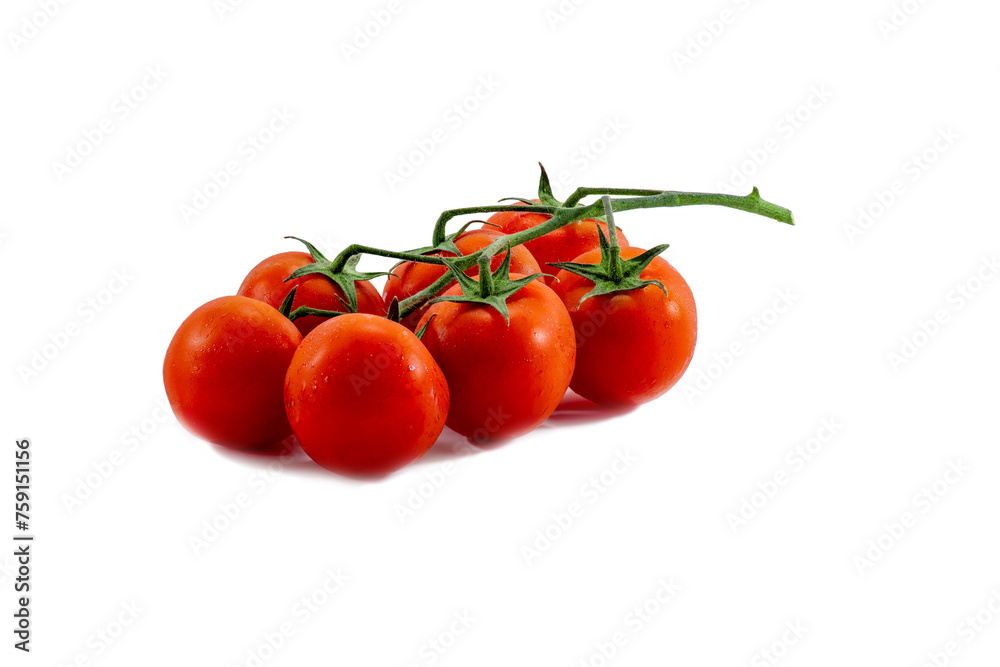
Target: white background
(602,98)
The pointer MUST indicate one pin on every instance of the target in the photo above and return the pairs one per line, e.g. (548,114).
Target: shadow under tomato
(575,409)
(287,453)
(449,445)
(572,410)
(290,456)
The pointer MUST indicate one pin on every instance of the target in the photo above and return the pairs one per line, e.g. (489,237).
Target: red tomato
(504,380)
(631,346)
(364,396)
(411,277)
(224,372)
(265,282)
(562,245)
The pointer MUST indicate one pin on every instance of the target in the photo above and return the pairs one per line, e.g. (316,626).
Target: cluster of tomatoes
(366,393)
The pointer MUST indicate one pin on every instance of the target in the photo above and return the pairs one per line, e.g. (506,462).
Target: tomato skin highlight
(411,277)
(224,370)
(631,346)
(505,380)
(561,245)
(364,396)
(266,282)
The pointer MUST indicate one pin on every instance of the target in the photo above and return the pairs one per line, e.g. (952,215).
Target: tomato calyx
(343,277)
(545,196)
(447,245)
(422,330)
(286,308)
(393,316)
(490,289)
(614,274)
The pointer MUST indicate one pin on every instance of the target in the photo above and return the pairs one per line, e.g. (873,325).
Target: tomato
(631,346)
(364,396)
(224,371)
(411,277)
(504,380)
(265,282)
(561,245)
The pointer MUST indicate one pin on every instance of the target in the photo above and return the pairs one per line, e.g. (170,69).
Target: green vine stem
(561,216)
(580,193)
(616,267)
(751,203)
(442,221)
(305,311)
(627,199)
(340,261)
(410,304)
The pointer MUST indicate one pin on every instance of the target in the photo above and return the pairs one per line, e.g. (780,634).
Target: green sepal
(392,312)
(520,199)
(448,245)
(601,274)
(613,273)
(422,330)
(343,279)
(492,289)
(545,195)
(286,305)
(313,250)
